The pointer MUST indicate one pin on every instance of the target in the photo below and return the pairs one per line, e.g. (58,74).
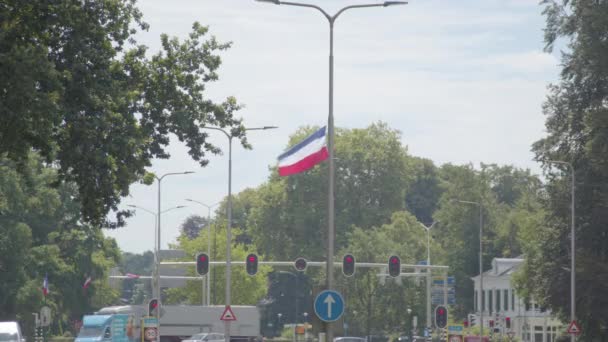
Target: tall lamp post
(428,278)
(330,127)
(208,242)
(157,254)
(572,246)
(229,216)
(479,300)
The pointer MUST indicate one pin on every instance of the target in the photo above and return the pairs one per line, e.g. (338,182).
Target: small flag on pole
(87,283)
(304,155)
(45,285)
(132,276)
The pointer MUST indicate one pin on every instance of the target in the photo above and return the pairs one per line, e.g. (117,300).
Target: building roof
(501,267)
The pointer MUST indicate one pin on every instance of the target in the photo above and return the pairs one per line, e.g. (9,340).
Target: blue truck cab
(107,328)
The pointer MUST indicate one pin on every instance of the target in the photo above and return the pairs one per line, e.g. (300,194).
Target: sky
(464,82)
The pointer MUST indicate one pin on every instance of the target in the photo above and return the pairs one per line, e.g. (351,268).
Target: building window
(490,301)
(497,300)
(475,300)
(506,296)
(483,300)
(513,300)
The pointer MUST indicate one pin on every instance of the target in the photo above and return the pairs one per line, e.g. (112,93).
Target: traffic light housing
(348,265)
(441,316)
(152,307)
(251,263)
(466,324)
(300,264)
(202,264)
(508,322)
(394,266)
(491,323)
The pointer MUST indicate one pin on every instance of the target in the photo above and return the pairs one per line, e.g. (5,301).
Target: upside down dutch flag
(304,155)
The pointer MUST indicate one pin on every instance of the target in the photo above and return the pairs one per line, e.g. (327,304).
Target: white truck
(179,322)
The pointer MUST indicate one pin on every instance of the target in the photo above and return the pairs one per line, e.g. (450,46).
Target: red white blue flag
(304,155)
(87,282)
(45,285)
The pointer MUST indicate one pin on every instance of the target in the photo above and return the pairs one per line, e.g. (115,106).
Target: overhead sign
(228,315)
(329,305)
(455,329)
(574,328)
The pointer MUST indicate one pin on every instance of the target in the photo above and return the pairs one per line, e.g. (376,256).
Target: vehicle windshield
(5,337)
(90,331)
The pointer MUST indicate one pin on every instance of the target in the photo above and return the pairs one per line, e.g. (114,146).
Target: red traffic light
(153,307)
(202,257)
(441,316)
(466,324)
(491,323)
(251,263)
(348,265)
(508,322)
(394,266)
(202,264)
(441,311)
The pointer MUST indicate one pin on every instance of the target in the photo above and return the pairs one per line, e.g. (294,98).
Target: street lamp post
(479,300)
(572,246)
(428,277)
(157,254)
(208,243)
(229,217)
(330,127)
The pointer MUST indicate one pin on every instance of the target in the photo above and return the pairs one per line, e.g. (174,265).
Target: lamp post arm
(307,5)
(355,6)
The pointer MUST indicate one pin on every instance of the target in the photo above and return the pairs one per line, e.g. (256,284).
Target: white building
(501,306)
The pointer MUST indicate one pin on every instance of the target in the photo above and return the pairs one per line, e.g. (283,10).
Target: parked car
(349,339)
(10,332)
(205,337)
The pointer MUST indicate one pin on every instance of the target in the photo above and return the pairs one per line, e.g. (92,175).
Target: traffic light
(202,263)
(472,320)
(252,264)
(441,316)
(466,324)
(300,264)
(348,265)
(491,323)
(394,266)
(508,322)
(152,307)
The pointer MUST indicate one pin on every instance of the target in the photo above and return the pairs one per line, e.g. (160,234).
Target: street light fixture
(330,127)
(229,215)
(209,235)
(572,246)
(428,278)
(479,300)
(157,254)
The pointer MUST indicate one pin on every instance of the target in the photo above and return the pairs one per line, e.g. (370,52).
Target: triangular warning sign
(573,328)
(228,315)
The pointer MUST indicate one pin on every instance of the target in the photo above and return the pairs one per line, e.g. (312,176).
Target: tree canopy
(75,87)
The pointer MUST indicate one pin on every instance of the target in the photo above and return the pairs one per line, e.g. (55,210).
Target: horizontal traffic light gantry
(348,265)
(441,316)
(394,266)
(251,263)
(202,264)
(300,264)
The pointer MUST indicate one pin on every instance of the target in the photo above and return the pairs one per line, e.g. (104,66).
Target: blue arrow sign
(329,305)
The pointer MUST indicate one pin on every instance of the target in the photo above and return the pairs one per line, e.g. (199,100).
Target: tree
(289,217)
(576,125)
(192,226)
(76,89)
(42,234)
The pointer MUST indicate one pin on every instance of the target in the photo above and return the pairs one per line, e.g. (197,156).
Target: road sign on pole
(228,315)
(574,328)
(329,305)
(45,316)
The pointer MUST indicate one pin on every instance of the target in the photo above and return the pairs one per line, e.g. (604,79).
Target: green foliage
(577,132)
(42,233)
(79,91)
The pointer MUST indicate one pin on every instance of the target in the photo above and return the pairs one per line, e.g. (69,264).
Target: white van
(10,332)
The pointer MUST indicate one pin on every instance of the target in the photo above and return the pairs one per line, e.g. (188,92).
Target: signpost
(45,316)
(329,306)
(149,328)
(228,315)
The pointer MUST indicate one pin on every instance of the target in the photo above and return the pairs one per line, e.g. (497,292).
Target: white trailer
(178,322)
